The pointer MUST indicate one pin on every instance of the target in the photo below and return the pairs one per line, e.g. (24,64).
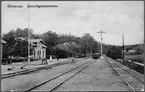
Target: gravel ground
(134,82)
(22,82)
(59,80)
(133,71)
(33,64)
(99,76)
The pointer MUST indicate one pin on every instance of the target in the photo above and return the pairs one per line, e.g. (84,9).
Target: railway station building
(39,51)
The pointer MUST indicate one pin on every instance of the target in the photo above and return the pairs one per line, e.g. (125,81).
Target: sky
(79,17)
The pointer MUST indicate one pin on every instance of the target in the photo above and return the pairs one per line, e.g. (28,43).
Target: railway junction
(87,74)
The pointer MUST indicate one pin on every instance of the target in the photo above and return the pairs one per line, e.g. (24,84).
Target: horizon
(77,18)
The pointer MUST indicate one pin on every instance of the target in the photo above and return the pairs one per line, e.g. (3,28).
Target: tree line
(63,45)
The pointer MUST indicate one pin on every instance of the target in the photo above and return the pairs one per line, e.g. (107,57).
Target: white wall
(40,48)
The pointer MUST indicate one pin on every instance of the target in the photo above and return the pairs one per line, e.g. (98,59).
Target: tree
(87,42)
(19,48)
(16,47)
(51,39)
(70,48)
(95,47)
(9,37)
(139,51)
(128,48)
(60,53)
(23,32)
(114,52)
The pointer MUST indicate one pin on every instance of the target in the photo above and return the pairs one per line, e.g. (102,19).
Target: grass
(136,58)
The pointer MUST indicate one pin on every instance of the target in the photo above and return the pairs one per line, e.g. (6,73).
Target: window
(40,53)
(34,54)
(43,53)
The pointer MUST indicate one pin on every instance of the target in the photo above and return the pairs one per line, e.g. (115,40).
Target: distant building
(125,51)
(132,51)
(39,48)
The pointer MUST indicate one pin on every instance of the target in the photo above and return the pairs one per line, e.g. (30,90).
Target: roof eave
(2,41)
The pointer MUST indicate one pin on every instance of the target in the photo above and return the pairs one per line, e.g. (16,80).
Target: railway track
(134,82)
(3,76)
(53,84)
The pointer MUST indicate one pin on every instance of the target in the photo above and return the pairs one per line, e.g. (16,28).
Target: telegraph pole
(101,32)
(28,39)
(123,46)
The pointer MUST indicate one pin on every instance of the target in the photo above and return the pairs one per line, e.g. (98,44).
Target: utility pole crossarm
(101,32)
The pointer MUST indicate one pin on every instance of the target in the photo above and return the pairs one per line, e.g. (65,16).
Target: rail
(57,76)
(3,76)
(112,65)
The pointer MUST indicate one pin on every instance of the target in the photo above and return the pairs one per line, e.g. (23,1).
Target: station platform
(31,65)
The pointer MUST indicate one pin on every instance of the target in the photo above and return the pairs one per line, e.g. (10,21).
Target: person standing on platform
(73,60)
(50,58)
(57,58)
(44,61)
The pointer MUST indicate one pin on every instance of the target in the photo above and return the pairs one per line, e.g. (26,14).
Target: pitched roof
(2,41)
(33,44)
(36,40)
(44,46)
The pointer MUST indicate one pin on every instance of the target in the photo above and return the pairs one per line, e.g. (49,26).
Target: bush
(61,53)
(136,58)
(114,53)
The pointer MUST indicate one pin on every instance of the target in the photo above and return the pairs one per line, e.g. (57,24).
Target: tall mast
(123,46)
(28,38)
(101,32)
